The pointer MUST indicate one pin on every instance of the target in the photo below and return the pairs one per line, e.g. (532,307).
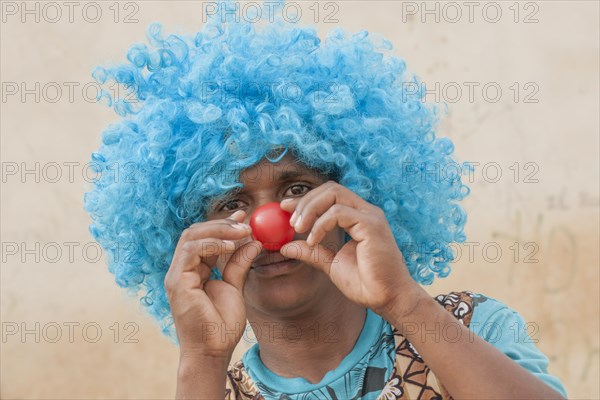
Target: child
(234,119)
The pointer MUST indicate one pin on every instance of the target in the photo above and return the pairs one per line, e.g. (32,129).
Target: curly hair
(205,107)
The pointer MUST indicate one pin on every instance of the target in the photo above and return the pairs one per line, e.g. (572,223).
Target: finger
(291,204)
(326,261)
(237,216)
(223,229)
(223,256)
(353,221)
(191,254)
(223,298)
(310,207)
(194,277)
(204,272)
(318,256)
(223,259)
(218,295)
(296,204)
(189,259)
(236,270)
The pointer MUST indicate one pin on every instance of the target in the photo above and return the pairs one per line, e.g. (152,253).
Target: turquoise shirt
(372,358)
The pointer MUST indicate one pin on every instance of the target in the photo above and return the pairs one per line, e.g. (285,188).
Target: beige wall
(558,134)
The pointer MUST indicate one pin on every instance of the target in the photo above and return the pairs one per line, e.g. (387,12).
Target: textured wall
(544,143)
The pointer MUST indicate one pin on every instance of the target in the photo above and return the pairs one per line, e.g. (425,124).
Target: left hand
(369,269)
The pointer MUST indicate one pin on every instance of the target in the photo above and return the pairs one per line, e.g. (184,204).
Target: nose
(271,224)
(261,201)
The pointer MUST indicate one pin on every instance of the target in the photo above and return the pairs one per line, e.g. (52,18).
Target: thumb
(317,256)
(238,266)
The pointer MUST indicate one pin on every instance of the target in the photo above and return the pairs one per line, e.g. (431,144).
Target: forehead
(288,167)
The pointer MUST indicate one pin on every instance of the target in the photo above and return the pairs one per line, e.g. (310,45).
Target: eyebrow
(286,175)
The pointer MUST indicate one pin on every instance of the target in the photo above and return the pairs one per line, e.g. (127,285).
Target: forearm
(468,366)
(201,377)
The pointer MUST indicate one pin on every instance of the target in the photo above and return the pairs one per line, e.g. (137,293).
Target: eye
(298,192)
(229,205)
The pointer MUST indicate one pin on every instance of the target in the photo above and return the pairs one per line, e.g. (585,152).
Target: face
(287,290)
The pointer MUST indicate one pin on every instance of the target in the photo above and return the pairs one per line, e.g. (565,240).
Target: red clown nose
(271,226)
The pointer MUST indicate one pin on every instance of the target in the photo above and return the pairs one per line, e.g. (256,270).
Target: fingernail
(235,214)
(293,218)
(297,223)
(308,239)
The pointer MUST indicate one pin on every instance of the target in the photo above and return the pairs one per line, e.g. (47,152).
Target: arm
(468,359)
(370,270)
(201,377)
(202,308)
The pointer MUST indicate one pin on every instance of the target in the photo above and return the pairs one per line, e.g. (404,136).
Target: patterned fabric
(239,385)
(410,377)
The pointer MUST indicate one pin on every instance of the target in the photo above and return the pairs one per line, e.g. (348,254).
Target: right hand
(210,315)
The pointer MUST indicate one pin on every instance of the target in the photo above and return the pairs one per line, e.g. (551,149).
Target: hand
(206,312)
(369,269)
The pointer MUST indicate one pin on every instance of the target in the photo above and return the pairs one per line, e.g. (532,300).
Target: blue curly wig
(205,107)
